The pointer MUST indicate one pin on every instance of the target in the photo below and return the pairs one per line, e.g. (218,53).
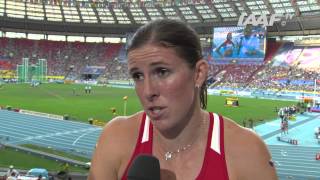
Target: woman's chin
(161,125)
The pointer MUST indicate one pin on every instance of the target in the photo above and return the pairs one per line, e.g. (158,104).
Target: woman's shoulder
(115,146)
(120,133)
(125,121)
(244,146)
(123,127)
(241,138)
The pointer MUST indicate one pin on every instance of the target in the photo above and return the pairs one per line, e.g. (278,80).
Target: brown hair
(172,34)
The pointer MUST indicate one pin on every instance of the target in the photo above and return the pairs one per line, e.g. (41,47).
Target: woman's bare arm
(114,146)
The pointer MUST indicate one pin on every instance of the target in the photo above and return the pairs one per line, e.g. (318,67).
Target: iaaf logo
(256,20)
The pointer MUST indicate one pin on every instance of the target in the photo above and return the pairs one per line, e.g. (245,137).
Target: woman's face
(164,83)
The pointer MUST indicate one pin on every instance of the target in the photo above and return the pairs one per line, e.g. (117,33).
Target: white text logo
(263,19)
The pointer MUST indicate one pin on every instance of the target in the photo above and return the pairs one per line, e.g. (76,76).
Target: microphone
(144,167)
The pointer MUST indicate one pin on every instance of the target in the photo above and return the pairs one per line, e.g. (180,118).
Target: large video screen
(309,59)
(298,56)
(239,44)
(287,55)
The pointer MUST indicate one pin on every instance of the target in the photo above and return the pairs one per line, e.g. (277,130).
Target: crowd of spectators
(284,78)
(237,76)
(59,55)
(116,70)
(70,59)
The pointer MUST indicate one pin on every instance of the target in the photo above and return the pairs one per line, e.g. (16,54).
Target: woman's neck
(184,134)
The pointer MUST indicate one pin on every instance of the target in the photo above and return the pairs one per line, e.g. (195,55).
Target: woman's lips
(155,112)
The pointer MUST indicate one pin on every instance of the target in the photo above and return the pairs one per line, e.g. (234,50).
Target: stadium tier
(73,59)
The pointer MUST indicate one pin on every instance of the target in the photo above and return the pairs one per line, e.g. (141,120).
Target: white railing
(53,116)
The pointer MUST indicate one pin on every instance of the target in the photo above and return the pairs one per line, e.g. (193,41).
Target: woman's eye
(162,72)
(137,76)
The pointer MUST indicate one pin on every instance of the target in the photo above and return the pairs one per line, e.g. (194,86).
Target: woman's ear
(201,72)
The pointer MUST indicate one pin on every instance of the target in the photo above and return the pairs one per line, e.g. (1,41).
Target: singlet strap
(146,129)
(144,141)
(214,154)
(215,135)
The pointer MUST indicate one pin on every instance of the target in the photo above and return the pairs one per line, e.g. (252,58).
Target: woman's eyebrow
(132,70)
(159,63)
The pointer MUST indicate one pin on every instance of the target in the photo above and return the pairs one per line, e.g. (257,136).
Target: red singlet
(214,165)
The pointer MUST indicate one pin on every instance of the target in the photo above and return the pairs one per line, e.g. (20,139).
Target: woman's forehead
(150,53)
(144,51)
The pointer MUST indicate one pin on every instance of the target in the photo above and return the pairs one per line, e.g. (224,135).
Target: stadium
(64,75)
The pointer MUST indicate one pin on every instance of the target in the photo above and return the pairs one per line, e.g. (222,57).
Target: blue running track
(294,162)
(75,137)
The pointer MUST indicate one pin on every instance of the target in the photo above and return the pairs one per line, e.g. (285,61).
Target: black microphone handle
(144,167)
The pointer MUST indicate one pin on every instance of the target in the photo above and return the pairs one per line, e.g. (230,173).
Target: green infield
(56,152)
(71,100)
(26,161)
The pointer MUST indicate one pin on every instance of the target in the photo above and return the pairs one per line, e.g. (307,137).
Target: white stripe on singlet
(145,136)
(215,137)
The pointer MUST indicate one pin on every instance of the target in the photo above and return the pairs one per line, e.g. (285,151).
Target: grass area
(22,160)
(59,99)
(250,108)
(56,152)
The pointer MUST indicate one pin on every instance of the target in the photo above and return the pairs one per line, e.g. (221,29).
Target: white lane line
(54,134)
(75,141)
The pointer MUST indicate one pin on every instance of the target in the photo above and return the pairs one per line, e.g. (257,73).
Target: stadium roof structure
(101,17)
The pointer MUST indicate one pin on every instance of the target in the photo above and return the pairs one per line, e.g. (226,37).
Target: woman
(165,62)
(249,44)
(227,47)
